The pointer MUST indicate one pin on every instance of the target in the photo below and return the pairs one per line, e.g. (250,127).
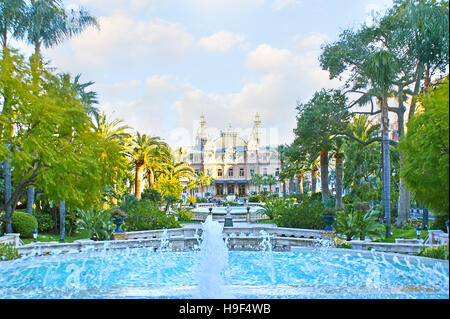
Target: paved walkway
(238,224)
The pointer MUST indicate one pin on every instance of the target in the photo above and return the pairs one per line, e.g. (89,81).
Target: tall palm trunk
(138,180)
(314,179)
(300,177)
(62,220)
(30,199)
(386,167)
(324,174)
(284,189)
(8,189)
(339,172)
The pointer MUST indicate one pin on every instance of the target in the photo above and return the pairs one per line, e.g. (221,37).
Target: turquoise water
(141,273)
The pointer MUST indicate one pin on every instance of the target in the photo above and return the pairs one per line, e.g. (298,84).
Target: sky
(159,64)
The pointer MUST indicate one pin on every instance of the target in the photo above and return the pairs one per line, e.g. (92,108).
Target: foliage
(24,224)
(358,224)
(339,243)
(184,214)
(146,215)
(426,147)
(8,252)
(44,220)
(97,223)
(151,194)
(169,186)
(192,199)
(128,201)
(305,215)
(438,252)
(276,207)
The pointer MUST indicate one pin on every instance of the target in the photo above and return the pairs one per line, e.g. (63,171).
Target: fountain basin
(310,273)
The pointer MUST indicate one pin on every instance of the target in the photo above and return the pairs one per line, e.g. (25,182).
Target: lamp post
(35,234)
(248,214)
(418,230)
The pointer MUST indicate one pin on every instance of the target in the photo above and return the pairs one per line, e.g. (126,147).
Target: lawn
(404,233)
(53,237)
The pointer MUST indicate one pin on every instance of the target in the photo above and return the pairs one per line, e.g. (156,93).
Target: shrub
(24,224)
(225,203)
(97,223)
(45,221)
(276,207)
(184,214)
(358,224)
(305,215)
(8,252)
(146,215)
(255,199)
(151,194)
(339,243)
(438,252)
(192,199)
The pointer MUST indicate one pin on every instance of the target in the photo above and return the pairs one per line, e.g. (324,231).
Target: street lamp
(248,214)
(35,234)
(418,230)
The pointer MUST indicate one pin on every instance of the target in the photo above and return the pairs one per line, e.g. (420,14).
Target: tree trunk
(324,174)
(30,200)
(314,180)
(300,177)
(386,168)
(8,189)
(339,172)
(138,181)
(284,189)
(62,220)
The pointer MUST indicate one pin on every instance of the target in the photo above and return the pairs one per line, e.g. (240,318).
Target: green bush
(146,215)
(306,215)
(24,224)
(184,214)
(8,252)
(44,220)
(255,199)
(98,224)
(438,252)
(276,207)
(225,203)
(358,225)
(151,194)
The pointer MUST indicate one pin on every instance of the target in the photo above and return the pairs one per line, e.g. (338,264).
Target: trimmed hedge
(24,224)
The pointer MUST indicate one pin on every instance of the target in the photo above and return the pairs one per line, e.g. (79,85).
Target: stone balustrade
(404,248)
(11,239)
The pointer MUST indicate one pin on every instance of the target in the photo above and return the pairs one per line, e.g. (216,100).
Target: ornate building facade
(231,160)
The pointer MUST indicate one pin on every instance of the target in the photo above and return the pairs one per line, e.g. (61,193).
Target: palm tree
(381,68)
(12,15)
(145,148)
(113,130)
(204,180)
(270,180)
(257,181)
(49,23)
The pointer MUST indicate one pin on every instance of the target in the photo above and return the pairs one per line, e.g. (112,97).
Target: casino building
(231,160)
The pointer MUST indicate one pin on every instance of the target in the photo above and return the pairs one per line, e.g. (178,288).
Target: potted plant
(118,216)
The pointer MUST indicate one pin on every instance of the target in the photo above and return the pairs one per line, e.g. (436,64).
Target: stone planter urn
(329,219)
(118,221)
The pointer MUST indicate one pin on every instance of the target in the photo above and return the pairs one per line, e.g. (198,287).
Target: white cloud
(122,39)
(312,42)
(280,4)
(221,41)
(266,59)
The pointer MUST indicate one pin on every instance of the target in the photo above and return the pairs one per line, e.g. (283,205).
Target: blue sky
(159,64)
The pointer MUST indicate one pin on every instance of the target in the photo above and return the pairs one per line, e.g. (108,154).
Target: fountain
(228,218)
(213,261)
(212,271)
